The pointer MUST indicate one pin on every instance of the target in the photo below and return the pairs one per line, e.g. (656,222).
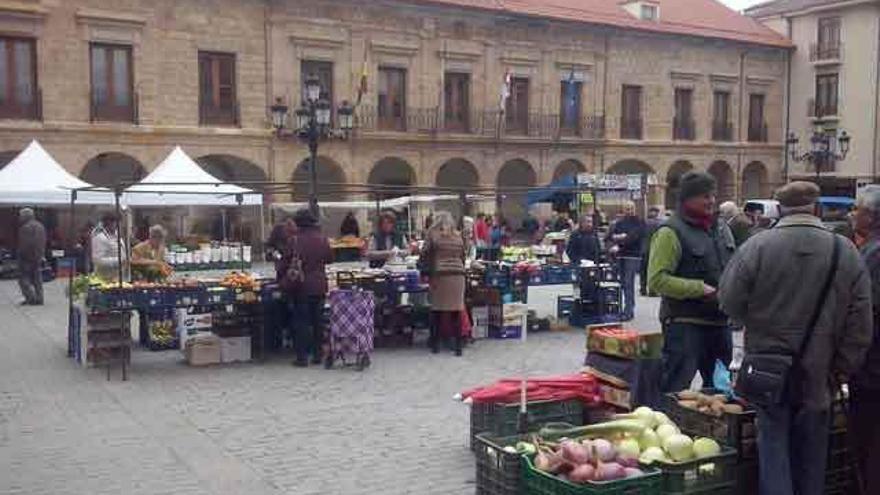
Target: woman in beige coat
(444,253)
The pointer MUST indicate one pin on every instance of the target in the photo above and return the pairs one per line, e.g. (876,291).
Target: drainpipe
(876,102)
(788,55)
(737,181)
(267,44)
(604,102)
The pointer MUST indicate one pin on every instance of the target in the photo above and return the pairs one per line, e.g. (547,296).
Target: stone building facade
(421,58)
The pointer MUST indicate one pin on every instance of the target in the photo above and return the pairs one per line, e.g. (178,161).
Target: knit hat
(695,184)
(798,193)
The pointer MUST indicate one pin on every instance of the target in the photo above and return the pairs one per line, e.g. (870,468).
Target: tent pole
(70,274)
(262,234)
(118,237)
(238,199)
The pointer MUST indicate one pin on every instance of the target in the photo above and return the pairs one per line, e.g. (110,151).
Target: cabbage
(679,447)
(652,454)
(665,431)
(706,447)
(662,419)
(628,448)
(647,415)
(648,439)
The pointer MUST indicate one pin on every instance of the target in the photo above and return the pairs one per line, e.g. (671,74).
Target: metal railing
(758,134)
(488,123)
(825,51)
(630,128)
(683,129)
(209,115)
(11,109)
(722,131)
(818,109)
(108,112)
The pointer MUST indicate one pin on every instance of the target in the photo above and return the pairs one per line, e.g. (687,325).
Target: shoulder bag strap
(823,296)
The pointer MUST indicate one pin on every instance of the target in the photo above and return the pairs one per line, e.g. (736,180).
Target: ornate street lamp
(311,125)
(825,149)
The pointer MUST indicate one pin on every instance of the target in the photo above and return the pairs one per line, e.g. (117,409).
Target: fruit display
(617,341)
(162,332)
(347,242)
(715,405)
(239,281)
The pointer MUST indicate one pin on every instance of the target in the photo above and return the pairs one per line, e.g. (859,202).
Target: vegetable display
(615,449)
(714,405)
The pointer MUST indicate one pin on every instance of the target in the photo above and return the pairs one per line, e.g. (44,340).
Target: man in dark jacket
(773,284)
(688,254)
(583,244)
(306,295)
(626,235)
(865,385)
(31,249)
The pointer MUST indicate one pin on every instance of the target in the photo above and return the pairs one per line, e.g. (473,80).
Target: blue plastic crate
(564,306)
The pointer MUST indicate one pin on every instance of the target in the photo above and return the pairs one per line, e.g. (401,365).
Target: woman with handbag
(304,281)
(444,255)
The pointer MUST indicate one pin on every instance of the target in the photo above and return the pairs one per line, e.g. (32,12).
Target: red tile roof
(703,18)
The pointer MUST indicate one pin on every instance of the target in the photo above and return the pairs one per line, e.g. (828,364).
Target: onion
(609,471)
(582,474)
(628,461)
(662,419)
(574,452)
(542,462)
(647,415)
(666,430)
(648,439)
(632,472)
(628,448)
(604,450)
(652,454)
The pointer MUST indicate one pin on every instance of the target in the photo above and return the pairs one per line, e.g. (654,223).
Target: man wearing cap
(31,249)
(774,284)
(687,255)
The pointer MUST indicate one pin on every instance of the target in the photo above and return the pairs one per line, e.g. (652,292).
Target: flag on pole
(362,83)
(505,89)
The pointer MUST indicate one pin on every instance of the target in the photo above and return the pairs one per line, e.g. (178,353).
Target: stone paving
(251,428)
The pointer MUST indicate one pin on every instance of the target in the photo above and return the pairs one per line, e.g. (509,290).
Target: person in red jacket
(307,292)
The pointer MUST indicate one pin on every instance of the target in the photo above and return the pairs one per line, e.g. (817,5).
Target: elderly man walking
(805,299)
(31,249)
(687,255)
(865,385)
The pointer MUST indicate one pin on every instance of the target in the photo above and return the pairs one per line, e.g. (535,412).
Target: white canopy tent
(180,181)
(35,178)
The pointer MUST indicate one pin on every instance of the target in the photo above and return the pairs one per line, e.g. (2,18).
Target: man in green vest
(687,256)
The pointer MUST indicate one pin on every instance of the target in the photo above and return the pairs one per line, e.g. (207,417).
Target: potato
(717,409)
(733,409)
(688,395)
(720,398)
(703,399)
(689,404)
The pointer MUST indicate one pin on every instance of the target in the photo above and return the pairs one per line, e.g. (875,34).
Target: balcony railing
(101,112)
(823,52)
(758,134)
(722,131)
(683,129)
(818,109)
(487,123)
(31,111)
(630,128)
(209,115)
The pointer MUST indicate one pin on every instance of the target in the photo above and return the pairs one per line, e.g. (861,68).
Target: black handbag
(767,380)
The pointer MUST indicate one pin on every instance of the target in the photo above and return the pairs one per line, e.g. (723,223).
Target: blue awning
(564,186)
(836,200)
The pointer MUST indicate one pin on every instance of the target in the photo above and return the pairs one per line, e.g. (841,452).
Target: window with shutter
(631,113)
(826,94)
(683,124)
(517,108)
(391,105)
(721,128)
(757,126)
(218,103)
(112,83)
(18,79)
(456,104)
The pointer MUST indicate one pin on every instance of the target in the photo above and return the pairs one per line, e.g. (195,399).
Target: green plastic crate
(709,475)
(498,472)
(500,420)
(541,483)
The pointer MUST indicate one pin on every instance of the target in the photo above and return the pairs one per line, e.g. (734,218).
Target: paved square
(252,428)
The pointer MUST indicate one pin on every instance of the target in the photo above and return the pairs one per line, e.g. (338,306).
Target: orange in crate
(614,340)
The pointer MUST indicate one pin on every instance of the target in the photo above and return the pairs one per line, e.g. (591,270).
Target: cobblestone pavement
(256,429)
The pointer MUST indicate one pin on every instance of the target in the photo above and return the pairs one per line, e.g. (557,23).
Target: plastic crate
(500,420)
(541,483)
(735,430)
(747,478)
(715,475)
(498,472)
(564,306)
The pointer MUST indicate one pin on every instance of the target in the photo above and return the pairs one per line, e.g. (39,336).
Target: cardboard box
(192,324)
(202,350)
(235,349)
(486,319)
(619,397)
(638,346)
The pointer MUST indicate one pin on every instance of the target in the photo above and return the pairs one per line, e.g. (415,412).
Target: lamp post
(312,125)
(825,149)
